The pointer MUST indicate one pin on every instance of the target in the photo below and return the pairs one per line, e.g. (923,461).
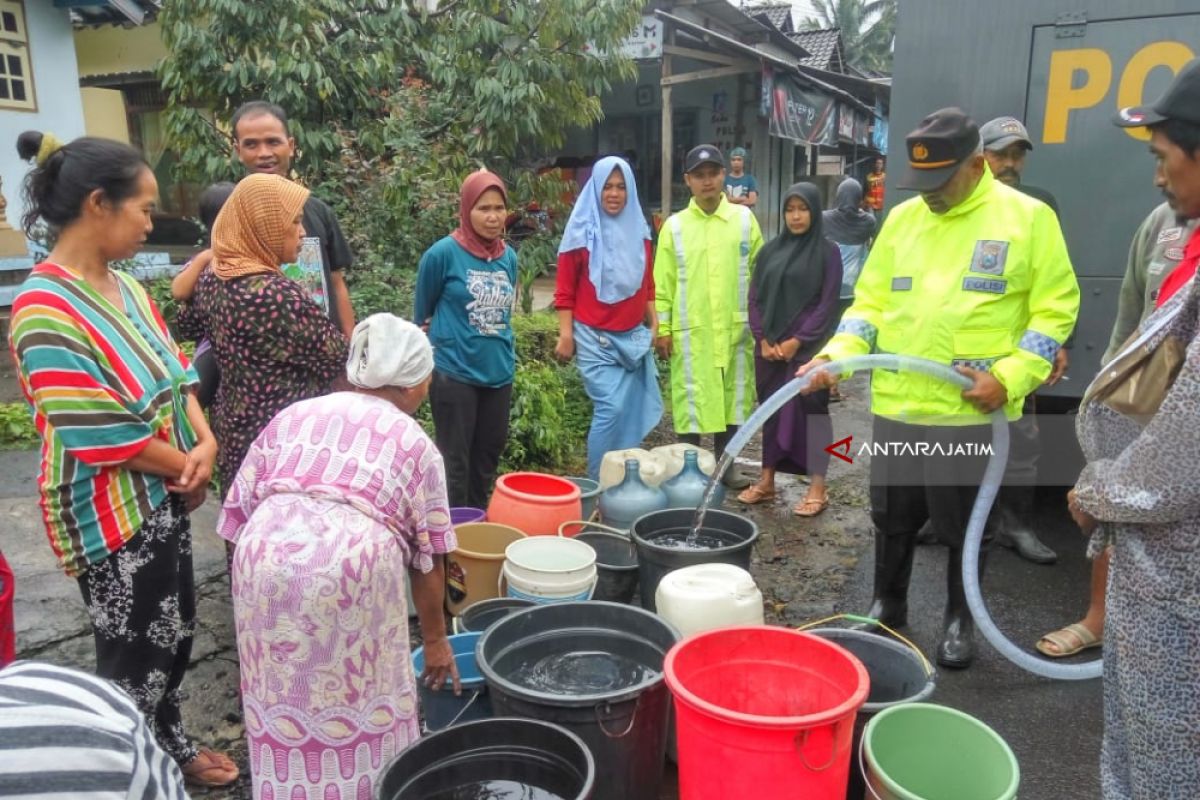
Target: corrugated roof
(755,52)
(778,17)
(825,46)
(86,13)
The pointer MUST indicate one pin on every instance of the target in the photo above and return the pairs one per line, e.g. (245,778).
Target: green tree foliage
(868,29)
(391,105)
(493,76)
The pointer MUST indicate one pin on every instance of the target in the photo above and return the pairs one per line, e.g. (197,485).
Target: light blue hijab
(616,245)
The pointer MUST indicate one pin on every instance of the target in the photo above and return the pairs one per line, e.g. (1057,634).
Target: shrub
(551,411)
(17,431)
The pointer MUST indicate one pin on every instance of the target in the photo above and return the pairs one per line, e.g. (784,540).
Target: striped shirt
(102,383)
(66,734)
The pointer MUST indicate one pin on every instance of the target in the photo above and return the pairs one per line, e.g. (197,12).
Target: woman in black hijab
(792,303)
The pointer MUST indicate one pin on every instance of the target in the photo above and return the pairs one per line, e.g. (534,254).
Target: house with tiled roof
(713,72)
(778,16)
(825,47)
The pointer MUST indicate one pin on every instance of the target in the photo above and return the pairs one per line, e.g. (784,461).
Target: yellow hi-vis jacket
(986,285)
(701,279)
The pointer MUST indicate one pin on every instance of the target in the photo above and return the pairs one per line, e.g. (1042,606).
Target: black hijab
(790,269)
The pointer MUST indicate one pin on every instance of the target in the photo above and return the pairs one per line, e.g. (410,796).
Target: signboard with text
(646,40)
(800,113)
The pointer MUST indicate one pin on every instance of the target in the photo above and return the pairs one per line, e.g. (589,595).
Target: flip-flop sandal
(1070,640)
(811,506)
(210,769)
(754,495)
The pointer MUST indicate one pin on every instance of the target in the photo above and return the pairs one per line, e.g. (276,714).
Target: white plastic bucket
(548,569)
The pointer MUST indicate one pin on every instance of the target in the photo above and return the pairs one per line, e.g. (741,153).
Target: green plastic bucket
(922,751)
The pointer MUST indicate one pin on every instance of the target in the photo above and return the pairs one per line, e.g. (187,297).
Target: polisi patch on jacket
(989,257)
(990,285)
(901,284)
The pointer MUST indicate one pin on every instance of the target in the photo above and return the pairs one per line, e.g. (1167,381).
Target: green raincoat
(701,279)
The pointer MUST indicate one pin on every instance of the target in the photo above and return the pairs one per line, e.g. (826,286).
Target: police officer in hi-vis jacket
(974,274)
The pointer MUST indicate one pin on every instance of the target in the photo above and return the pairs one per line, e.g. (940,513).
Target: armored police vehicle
(1064,67)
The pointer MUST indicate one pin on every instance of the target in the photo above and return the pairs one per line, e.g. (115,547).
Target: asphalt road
(1053,727)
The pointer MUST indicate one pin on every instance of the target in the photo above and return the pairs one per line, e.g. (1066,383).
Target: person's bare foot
(210,768)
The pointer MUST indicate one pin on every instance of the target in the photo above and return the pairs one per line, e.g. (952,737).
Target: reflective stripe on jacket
(702,277)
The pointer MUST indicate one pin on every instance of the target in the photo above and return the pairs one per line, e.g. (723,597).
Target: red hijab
(472,189)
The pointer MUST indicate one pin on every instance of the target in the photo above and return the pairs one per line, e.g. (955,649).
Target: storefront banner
(879,135)
(800,113)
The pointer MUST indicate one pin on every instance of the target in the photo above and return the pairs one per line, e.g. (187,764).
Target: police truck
(1064,67)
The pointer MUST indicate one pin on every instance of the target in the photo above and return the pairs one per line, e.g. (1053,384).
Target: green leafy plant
(551,411)
(17,430)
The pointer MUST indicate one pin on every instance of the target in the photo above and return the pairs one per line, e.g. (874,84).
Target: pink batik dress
(338,497)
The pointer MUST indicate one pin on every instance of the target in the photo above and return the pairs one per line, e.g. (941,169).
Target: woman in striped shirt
(126,451)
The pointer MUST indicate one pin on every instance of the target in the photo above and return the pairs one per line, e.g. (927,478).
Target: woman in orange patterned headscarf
(274,345)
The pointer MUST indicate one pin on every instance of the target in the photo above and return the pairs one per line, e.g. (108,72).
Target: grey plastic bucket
(898,675)
(625,727)
(589,495)
(478,617)
(616,565)
(525,751)
(654,560)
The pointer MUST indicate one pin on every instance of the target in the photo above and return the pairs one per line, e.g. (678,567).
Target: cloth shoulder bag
(1136,381)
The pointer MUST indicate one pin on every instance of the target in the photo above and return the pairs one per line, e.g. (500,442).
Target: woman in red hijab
(466,284)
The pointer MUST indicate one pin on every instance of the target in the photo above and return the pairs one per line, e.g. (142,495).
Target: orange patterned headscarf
(248,235)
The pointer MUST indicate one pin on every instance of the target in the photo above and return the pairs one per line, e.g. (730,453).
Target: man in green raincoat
(701,278)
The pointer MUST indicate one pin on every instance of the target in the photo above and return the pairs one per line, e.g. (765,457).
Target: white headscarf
(388,351)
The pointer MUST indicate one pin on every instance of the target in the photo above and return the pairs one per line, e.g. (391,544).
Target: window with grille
(16,73)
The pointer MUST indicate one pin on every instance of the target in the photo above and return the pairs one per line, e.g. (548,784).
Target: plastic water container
(548,569)
(650,466)
(534,502)
(443,707)
(708,596)
(765,712)
(672,455)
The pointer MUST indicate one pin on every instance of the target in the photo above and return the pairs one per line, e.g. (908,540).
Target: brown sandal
(811,506)
(210,769)
(755,494)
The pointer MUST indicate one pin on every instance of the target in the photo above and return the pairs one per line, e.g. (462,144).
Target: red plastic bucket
(764,711)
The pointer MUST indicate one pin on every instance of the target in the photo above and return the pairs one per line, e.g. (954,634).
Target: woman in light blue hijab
(605,301)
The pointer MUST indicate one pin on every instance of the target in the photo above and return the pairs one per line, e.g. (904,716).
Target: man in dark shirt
(1005,145)
(263,143)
